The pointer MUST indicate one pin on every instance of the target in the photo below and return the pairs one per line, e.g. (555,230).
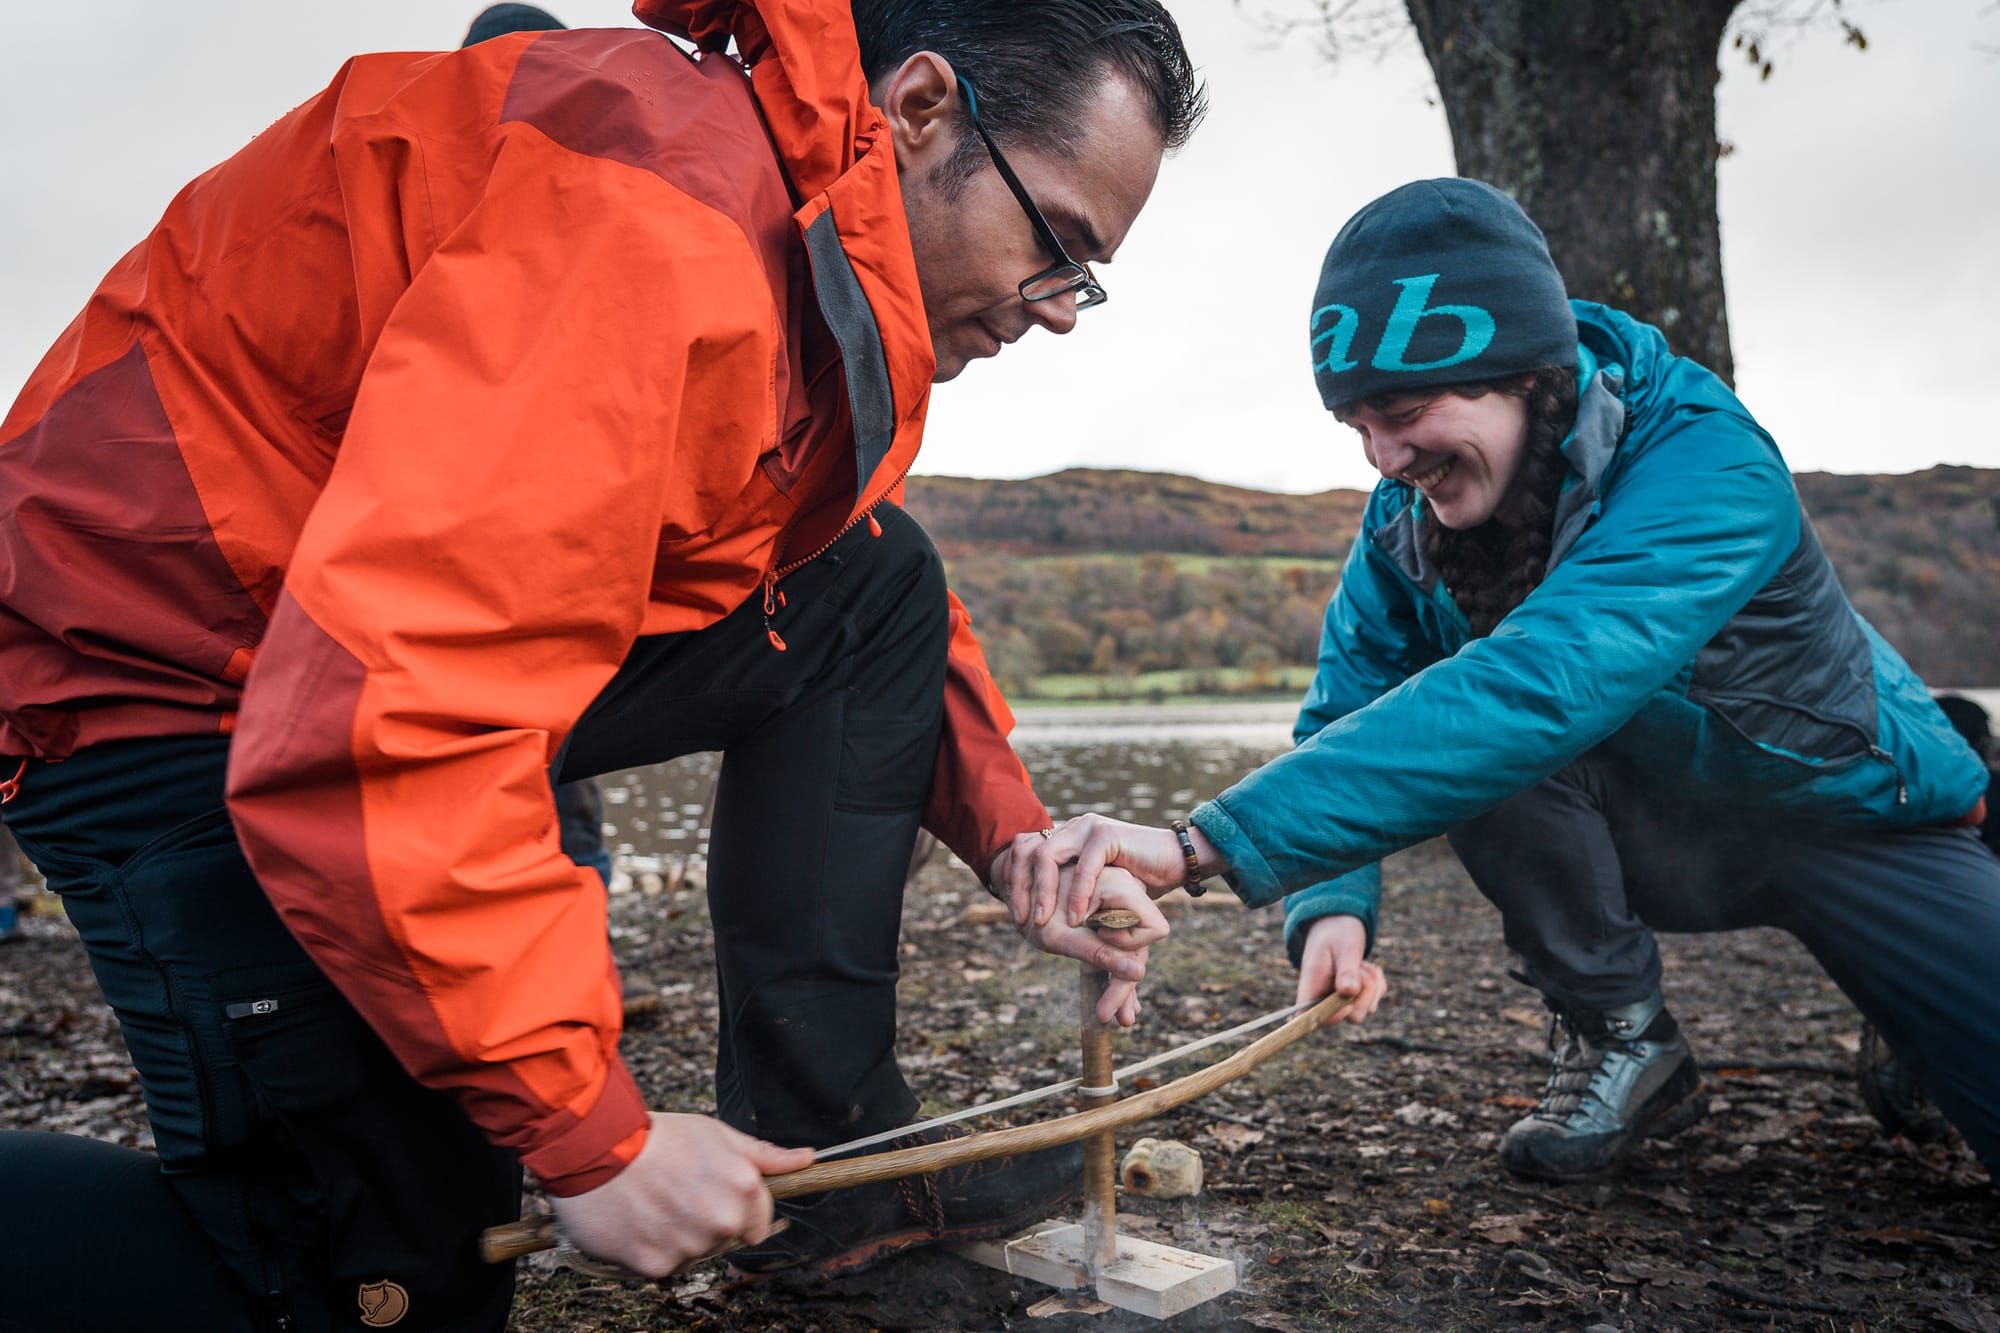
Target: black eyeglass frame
(1066,274)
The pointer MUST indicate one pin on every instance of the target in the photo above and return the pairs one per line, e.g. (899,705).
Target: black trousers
(1586,865)
(303,1180)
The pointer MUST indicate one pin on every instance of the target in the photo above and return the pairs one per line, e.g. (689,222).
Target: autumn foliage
(1124,576)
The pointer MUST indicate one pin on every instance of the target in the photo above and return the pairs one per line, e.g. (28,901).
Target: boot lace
(1574,1063)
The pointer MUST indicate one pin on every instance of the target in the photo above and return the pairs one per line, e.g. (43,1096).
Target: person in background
(1975,724)
(10,889)
(1586,632)
(537,409)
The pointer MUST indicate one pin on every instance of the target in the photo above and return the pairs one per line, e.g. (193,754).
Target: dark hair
(500,20)
(1969,720)
(1490,569)
(1038,63)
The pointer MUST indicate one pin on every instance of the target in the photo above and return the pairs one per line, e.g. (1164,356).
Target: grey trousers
(1586,865)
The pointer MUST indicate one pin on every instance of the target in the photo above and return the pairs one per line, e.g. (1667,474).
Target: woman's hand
(1335,960)
(1030,873)
(1122,953)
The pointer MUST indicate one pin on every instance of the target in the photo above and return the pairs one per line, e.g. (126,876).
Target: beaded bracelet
(1192,883)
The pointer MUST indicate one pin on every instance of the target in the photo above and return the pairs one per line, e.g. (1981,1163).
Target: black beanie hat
(499,20)
(1437,282)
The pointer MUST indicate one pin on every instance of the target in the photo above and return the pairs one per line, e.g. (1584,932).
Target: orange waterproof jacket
(464,374)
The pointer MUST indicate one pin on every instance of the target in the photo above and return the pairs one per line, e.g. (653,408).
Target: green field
(1190,564)
(1286,682)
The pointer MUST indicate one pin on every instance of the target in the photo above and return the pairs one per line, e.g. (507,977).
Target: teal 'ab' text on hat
(1437,282)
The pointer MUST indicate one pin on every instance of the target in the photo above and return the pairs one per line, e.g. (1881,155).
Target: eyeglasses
(1066,274)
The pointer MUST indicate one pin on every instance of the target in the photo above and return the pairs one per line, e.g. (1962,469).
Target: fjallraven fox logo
(383,1303)
(1412,308)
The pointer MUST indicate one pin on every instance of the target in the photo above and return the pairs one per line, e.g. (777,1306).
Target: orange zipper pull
(773,599)
(874,528)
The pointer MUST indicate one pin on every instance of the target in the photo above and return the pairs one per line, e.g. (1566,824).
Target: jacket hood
(805,71)
(805,65)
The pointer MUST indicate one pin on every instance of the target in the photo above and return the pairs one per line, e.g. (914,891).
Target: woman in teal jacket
(1587,631)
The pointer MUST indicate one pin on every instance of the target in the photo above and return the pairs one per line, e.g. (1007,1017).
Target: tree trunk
(1598,116)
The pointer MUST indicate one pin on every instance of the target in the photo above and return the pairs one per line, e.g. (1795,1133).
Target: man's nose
(1056,313)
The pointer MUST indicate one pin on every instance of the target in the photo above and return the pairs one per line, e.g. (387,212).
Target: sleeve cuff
(1357,893)
(591,1150)
(1247,872)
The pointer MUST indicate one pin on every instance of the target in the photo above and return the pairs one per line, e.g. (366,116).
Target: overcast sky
(1860,226)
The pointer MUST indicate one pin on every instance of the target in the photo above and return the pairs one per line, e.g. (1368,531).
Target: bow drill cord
(1057,1089)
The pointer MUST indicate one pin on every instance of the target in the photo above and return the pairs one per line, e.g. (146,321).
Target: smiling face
(1463,453)
(973,242)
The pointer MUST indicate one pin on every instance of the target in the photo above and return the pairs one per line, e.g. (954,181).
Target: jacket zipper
(774,596)
(1874,751)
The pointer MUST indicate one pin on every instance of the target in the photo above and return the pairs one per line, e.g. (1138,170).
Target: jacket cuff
(589,1151)
(1357,893)
(1247,872)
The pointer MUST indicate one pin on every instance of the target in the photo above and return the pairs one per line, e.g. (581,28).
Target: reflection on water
(1146,764)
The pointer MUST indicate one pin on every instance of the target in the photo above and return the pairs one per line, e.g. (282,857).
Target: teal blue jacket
(1689,620)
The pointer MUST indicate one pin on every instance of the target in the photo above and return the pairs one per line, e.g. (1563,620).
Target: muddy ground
(1352,1179)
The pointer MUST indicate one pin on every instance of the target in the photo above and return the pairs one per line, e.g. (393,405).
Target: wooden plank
(1032,1254)
(1148,1278)
(1161,1280)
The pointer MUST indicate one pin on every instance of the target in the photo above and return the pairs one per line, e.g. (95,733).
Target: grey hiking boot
(1893,1095)
(1617,1076)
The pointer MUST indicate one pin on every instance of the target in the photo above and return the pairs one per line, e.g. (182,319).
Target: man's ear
(920,99)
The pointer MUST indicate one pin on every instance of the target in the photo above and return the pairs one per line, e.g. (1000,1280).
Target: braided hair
(1490,569)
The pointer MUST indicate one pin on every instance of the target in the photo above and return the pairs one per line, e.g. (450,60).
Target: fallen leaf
(1967,1314)
(1437,1207)
(1507,1228)
(1527,1018)
(1919,1236)
(1861,1268)
(696,1286)
(1513,1101)
(1769,1131)
(1418,1116)
(1748,1240)
(1233,1139)
(1271,1319)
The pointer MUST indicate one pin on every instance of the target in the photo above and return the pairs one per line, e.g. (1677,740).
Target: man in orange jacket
(536,408)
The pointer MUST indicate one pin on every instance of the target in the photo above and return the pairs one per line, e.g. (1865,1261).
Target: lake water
(1145,763)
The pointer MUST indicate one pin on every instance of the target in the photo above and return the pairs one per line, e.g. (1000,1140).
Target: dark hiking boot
(848,1231)
(1617,1076)
(640,998)
(1892,1093)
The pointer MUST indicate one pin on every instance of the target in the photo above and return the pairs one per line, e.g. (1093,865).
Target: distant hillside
(1919,555)
(1121,582)
(1087,510)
